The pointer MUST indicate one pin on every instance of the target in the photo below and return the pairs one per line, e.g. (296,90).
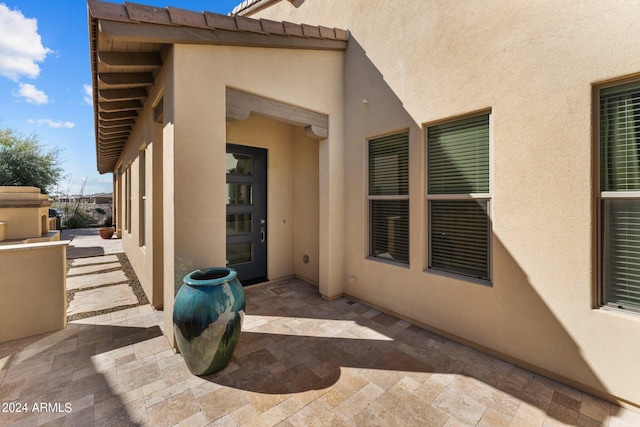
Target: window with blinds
(619,219)
(389,197)
(142,191)
(458,196)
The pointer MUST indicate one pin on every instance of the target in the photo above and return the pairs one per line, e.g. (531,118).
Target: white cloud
(31,94)
(52,124)
(88,94)
(20,45)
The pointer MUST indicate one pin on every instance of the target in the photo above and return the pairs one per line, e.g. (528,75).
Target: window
(389,197)
(143,197)
(127,178)
(619,201)
(458,196)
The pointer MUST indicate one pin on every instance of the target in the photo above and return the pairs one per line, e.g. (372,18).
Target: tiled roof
(126,41)
(138,13)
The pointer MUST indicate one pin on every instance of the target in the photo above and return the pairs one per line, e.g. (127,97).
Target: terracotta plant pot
(207,318)
(106,232)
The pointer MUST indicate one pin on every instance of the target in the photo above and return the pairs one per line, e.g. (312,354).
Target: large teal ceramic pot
(207,317)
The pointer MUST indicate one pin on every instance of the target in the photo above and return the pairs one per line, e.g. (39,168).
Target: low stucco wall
(33,289)
(24,212)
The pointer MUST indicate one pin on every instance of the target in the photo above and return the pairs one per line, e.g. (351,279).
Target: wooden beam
(112,130)
(130,59)
(316,132)
(241,104)
(115,153)
(123,94)
(112,146)
(113,136)
(114,140)
(116,123)
(125,80)
(237,113)
(129,114)
(120,105)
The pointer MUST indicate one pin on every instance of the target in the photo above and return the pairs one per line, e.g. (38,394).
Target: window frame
(600,196)
(400,197)
(142,195)
(484,197)
(127,190)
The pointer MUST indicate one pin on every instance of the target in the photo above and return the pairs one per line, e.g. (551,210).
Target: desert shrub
(79,219)
(100,211)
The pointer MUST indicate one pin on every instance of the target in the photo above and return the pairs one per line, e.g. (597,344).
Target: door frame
(256,270)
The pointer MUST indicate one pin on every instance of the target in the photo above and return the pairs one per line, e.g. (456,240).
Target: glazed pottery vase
(207,318)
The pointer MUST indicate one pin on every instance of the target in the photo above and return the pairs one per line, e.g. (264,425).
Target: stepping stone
(100,279)
(92,268)
(94,260)
(101,299)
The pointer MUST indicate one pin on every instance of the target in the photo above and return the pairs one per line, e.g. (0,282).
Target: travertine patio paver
(98,279)
(101,298)
(77,271)
(118,369)
(93,260)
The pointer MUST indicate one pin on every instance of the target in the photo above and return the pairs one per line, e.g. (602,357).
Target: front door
(247,212)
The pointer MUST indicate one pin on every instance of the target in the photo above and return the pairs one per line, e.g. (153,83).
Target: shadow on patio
(344,361)
(301,361)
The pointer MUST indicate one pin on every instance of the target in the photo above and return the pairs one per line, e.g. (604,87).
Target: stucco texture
(533,66)
(32,285)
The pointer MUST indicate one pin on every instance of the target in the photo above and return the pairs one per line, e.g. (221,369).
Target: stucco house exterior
(471,167)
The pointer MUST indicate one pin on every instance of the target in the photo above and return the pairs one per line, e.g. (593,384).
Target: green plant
(108,221)
(79,219)
(76,216)
(25,161)
(100,211)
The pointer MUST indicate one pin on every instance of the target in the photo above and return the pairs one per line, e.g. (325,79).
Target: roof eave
(114,98)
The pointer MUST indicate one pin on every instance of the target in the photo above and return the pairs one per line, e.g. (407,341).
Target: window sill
(388,261)
(461,277)
(622,311)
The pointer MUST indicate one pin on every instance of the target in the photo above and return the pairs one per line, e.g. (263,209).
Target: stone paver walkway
(102,299)
(86,242)
(96,283)
(92,280)
(301,361)
(89,268)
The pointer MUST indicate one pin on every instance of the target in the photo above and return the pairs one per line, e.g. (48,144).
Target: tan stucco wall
(292,193)
(24,212)
(144,254)
(194,140)
(306,204)
(33,289)
(534,66)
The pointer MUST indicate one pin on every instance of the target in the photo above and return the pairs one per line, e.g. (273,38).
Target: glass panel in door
(247,212)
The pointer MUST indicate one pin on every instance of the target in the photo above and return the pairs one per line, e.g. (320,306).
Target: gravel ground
(132,280)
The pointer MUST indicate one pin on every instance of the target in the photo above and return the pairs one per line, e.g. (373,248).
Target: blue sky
(45,79)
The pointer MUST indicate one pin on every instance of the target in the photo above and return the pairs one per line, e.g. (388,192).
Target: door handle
(262,230)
